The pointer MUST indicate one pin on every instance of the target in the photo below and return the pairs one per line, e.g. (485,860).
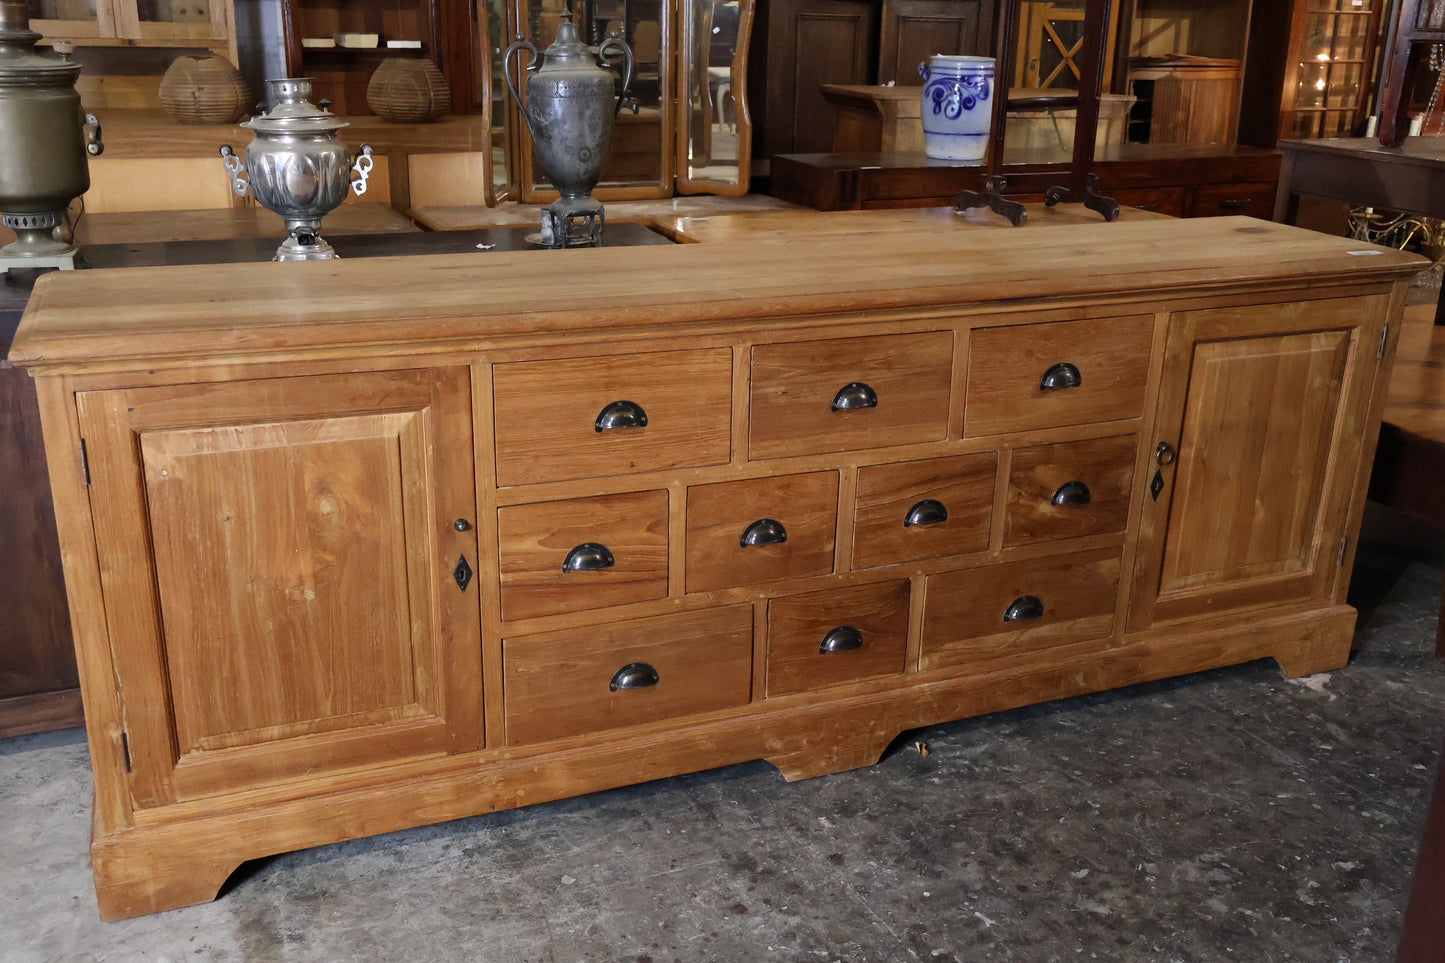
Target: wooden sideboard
(356,546)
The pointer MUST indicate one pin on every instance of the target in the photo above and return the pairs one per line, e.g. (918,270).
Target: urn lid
(292,111)
(21,64)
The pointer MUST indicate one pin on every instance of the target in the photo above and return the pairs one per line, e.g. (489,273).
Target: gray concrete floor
(1228,815)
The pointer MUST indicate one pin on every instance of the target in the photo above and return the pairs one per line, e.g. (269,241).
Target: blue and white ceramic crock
(957,106)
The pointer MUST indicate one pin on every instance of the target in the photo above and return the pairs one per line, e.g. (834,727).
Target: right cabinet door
(1261,428)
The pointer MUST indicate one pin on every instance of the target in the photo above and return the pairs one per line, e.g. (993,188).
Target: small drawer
(1064,373)
(923,509)
(583,553)
(1172,201)
(1069,490)
(847,394)
(760,529)
(999,610)
(618,415)
(844,635)
(1252,200)
(627,673)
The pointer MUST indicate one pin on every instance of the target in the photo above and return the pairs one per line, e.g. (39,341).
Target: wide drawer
(923,509)
(1063,373)
(592,417)
(842,635)
(626,673)
(850,393)
(582,553)
(1217,200)
(1002,609)
(1069,490)
(761,529)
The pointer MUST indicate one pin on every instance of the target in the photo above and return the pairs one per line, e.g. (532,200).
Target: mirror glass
(489,39)
(714,126)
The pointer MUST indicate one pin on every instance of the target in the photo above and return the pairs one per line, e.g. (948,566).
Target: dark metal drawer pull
(1060,376)
(1234,203)
(1072,493)
(1164,453)
(842,639)
(634,675)
(588,557)
(927,512)
(621,414)
(853,396)
(1025,608)
(764,531)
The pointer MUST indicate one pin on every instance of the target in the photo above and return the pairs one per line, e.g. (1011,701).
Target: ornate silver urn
(43,147)
(571,103)
(297,167)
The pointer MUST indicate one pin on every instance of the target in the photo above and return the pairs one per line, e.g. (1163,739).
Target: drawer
(760,529)
(851,393)
(923,509)
(1253,200)
(592,417)
(1161,200)
(582,553)
(627,673)
(1063,373)
(1069,490)
(1002,609)
(843,635)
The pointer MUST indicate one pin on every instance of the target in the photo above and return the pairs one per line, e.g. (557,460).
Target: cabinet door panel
(286,603)
(914,30)
(811,42)
(1266,407)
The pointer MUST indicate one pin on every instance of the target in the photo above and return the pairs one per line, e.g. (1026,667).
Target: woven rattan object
(204,90)
(408,90)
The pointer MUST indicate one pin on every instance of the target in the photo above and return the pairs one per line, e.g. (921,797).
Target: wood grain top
(266,312)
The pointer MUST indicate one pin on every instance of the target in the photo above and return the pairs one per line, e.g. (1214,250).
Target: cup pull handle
(1060,376)
(855,396)
(1025,608)
(844,638)
(1072,493)
(930,511)
(621,414)
(588,557)
(634,675)
(764,531)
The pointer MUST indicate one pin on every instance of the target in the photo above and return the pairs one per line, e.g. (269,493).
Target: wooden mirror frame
(693,63)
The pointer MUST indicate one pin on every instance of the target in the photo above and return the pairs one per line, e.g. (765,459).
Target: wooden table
(468,217)
(231,223)
(1410,177)
(807,225)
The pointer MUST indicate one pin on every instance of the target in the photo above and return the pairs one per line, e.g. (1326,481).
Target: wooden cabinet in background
(191,24)
(315,600)
(914,30)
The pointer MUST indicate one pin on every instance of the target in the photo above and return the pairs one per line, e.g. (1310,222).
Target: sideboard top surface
(239,313)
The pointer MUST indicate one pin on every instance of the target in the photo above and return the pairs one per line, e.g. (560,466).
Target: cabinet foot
(824,759)
(1321,651)
(133,884)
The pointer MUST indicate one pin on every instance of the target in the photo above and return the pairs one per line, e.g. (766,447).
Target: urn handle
(613,43)
(235,169)
(518,45)
(93,145)
(362,168)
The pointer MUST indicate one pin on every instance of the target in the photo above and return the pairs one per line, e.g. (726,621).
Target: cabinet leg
(827,758)
(131,884)
(1320,651)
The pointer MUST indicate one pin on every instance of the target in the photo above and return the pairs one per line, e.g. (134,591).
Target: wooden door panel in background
(914,30)
(305,616)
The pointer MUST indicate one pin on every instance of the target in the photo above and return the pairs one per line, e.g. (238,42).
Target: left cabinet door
(280,563)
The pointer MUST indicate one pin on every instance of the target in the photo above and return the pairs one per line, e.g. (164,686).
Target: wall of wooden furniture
(363,545)
(190,24)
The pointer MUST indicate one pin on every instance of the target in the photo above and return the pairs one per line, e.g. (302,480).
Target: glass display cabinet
(193,24)
(1414,75)
(1328,79)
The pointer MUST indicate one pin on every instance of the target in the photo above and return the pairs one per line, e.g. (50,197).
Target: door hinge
(125,749)
(1384,337)
(1340,558)
(84,463)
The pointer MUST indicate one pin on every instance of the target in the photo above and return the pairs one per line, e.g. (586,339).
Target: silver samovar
(572,100)
(296,167)
(43,147)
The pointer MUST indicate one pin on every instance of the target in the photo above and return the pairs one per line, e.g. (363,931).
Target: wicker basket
(204,90)
(408,90)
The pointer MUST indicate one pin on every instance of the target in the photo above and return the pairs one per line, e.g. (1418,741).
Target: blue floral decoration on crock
(951,96)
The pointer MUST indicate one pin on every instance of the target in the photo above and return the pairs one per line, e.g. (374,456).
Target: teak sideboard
(357,546)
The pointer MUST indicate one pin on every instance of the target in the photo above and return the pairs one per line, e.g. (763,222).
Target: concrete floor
(1229,815)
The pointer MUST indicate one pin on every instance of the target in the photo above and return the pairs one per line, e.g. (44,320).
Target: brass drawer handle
(1060,376)
(588,557)
(844,638)
(1072,493)
(855,396)
(1025,608)
(930,511)
(634,675)
(621,414)
(764,531)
